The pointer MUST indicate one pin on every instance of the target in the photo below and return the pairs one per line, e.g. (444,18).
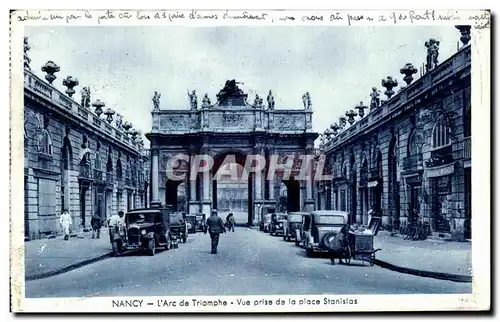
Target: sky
(337,65)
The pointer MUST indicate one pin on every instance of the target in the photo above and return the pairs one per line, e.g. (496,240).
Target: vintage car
(191,223)
(291,227)
(277,225)
(201,222)
(145,230)
(319,224)
(265,217)
(178,226)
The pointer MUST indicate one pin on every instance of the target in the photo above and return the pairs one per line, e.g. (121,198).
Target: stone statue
(27,60)
(306,100)
(432,53)
(375,101)
(258,103)
(193,100)
(156,101)
(86,96)
(205,103)
(119,121)
(270,100)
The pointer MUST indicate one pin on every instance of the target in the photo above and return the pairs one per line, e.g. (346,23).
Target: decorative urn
(98,105)
(335,128)
(70,83)
(50,68)
(361,108)
(408,70)
(109,114)
(342,122)
(389,83)
(351,114)
(127,126)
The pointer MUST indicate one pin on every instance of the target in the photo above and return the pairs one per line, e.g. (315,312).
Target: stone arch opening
(292,194)
(354,189)
(394,187)
(66,167)
(233,186)
(379,179)
(363,190)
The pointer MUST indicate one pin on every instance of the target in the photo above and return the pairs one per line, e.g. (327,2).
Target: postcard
(250,160)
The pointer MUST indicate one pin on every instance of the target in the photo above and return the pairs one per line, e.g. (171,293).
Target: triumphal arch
(230,128)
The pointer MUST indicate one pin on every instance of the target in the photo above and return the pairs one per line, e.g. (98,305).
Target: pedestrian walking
(65,222)
(230,222)
(96,224)
(215,228)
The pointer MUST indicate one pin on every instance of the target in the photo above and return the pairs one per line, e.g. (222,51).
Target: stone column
(154,176)
(193,204)
(271,181)
(206,203)
(309,201)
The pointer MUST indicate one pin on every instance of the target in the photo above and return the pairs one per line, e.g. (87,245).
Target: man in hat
(215,228)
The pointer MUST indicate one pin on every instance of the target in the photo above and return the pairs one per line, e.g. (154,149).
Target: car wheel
(152,247)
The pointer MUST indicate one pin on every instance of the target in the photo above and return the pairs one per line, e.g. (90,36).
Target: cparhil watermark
(297,167)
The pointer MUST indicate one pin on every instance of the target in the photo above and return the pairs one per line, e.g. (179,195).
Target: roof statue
(270,100)
(193,100)
(156,100)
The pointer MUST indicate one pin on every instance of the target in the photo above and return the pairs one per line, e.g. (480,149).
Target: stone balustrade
(64,103)
(449,67)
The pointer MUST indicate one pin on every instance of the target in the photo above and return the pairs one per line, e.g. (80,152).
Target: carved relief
(289,122)
(168,122)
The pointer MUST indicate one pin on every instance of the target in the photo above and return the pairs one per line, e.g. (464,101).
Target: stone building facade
(409,158)
(75,158)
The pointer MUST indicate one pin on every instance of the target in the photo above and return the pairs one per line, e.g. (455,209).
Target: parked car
(319,224)
(201,222)
(191,223)
(178,226)
(291,227)
(265,217)
(145,229)
(277,225)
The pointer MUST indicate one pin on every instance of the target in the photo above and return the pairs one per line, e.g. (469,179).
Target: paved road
(249,262)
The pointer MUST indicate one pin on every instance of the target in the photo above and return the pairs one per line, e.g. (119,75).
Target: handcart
(356,245)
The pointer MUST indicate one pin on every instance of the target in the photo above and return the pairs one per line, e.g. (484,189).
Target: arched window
(45,145)
(119,171)
(441,135)
(415,143)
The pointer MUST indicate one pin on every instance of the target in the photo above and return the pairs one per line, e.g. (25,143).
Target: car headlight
(281,225)
(143,231)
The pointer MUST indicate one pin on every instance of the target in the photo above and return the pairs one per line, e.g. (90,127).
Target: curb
(67,268)
(436,275)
